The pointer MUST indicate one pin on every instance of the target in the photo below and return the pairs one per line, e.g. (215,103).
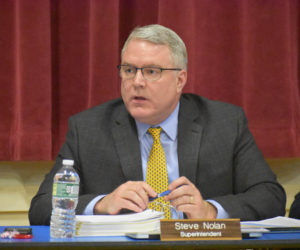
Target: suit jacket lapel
(189,138)
(127,145)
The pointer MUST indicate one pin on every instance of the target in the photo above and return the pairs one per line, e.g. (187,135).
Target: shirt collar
(169,125)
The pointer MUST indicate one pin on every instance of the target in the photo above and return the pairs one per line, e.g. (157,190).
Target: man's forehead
(142,42)
(143,49)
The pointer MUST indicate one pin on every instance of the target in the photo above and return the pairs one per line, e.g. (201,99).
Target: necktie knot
(155,132)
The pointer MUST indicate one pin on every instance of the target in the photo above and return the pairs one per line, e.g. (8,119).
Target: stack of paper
(280,223)
(273,223)
(147,221)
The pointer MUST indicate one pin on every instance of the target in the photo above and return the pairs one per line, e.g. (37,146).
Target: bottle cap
(68,162)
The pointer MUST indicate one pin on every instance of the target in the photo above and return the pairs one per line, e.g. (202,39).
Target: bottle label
(65,190)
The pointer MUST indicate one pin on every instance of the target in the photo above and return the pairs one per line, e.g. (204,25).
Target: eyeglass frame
(142,68)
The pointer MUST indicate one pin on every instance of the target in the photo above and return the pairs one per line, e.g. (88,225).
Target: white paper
(279,221)
(147,221)
(133,217)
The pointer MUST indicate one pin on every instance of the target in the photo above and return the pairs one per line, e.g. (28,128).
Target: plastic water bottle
(64,201)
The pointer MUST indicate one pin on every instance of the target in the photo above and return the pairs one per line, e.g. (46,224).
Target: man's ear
(181,80)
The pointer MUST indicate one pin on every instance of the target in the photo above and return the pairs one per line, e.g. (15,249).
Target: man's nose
(139,78)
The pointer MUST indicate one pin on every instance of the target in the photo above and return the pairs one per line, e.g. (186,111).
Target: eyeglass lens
(149,73)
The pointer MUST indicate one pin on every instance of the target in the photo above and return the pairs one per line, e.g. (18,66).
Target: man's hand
(187,198)
(132,195)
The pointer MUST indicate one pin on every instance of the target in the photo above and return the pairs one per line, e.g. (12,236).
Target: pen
(160,195)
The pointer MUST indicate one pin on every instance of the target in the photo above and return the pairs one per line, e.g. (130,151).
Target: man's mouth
(139,98)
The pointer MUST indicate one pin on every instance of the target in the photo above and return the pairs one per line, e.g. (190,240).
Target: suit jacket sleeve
(97,141)
(256,194)
(218,153)
(41,204)
(295,207)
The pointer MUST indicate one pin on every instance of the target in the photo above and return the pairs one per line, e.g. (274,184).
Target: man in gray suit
(215,169)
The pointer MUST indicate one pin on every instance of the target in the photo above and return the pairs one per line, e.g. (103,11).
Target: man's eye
(128,70)
(151,71)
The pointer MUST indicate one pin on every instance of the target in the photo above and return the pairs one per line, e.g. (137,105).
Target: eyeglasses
(149,73)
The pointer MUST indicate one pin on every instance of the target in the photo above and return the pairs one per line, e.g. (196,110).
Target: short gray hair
(159,34)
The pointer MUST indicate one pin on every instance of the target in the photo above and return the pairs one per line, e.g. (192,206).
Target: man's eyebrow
(125,63)
(143,66)
(152,65)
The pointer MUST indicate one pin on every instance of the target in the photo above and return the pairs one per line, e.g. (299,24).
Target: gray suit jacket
(216,151)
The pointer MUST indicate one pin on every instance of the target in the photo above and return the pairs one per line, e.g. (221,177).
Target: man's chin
(142,117)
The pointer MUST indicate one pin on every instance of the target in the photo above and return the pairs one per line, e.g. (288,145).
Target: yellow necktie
(157,175)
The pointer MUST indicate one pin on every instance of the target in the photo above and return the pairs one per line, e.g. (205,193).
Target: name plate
(188,229)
